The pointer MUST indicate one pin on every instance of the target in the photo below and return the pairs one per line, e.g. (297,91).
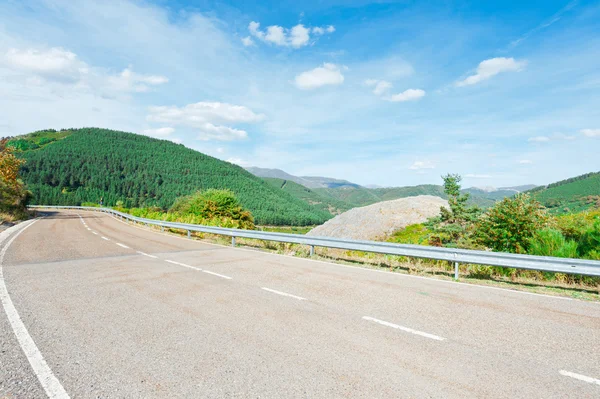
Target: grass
(470,274)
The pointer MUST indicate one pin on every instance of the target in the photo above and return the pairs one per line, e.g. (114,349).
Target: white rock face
(379,220)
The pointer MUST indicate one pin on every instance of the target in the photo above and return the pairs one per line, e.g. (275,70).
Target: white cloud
(129,81)
(407,95)
(328,74)
(52,64)
(276,35)
(539,139)
(525,162)
(420,165)
(299,36)
(222,133)
(477,176)
(296,37)
(591,132)
(380,87)
(161,132)
(318,30)
(247,41)
(61,66)
(198,114)
(492,67)
(208,117)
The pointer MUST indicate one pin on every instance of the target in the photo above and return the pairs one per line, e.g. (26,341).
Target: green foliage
(211,204)
(551,242)
(84,165)
(316,200)
(510,224)
(412,234)
(455,222)
(13,195)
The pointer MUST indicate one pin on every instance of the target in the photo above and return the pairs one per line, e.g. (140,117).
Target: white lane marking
(183,264)
(89,229)
(283,294)
(104,238)
(217,274)
(580,377)
(406,329)
(42,371)
(365,269)
(94,232)
(148,255)
(122,245)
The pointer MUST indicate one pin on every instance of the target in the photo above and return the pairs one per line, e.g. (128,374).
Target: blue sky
(387,92)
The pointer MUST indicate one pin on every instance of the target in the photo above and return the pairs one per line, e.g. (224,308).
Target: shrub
(511,223)
(551,242)
(213,203)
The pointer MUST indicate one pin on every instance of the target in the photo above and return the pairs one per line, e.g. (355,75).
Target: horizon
(390,94)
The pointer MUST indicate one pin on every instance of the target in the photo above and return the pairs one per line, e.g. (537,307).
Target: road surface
(93,307)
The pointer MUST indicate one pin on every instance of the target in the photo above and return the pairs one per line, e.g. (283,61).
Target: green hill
(571,195)
(83,165)
(323,203)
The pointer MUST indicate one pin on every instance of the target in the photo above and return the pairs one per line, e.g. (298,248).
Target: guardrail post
(456,270)
(162,228)
(312,250)
(189,234)
(232,241)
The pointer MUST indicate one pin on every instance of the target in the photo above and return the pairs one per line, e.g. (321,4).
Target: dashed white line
(94,232)
(104,238)
(148,255)
(217,274)
(183,265)
(122,245)
(580,377)
(47,379)
(405,329)
(283,294)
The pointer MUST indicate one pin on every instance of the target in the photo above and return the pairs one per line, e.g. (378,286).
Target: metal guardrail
(458,256)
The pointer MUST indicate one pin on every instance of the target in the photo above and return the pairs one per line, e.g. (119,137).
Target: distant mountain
(519,189)
(280,174)
(314,199)
(571,195)
(306,181)
(330,182)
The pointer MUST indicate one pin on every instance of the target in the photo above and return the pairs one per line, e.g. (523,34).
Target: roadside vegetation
(519,224)
(13,194)
(210,208)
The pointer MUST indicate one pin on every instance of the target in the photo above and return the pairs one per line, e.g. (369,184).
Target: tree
(511,223)
(454,223)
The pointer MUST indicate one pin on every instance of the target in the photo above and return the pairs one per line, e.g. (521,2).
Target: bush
(214,204)
(511,223)
(551,242)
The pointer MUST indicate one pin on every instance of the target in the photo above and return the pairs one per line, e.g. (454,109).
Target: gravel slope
(380,219)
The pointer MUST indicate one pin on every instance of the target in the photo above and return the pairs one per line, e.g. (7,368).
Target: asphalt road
(96,308)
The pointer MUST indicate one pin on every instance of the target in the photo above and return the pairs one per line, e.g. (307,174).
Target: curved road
(93,307)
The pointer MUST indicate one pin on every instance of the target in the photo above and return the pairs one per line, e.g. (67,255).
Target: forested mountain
(311,197)
(570,195)
(84,165)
